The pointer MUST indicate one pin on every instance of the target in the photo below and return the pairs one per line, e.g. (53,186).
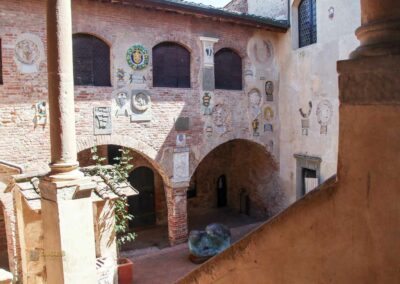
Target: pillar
(369,138)
(61,91)
(379,33)
(177,214)
(67,211)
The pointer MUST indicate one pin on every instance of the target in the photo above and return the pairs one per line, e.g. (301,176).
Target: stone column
(369,135)
(61,91)
(67,210)
(379,33)
(177,214)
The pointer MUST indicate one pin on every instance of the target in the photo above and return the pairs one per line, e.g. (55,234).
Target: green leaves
(118,173)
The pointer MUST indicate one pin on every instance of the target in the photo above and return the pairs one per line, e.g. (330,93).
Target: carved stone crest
(121,100)
(220,118)
(206,103)
(305,122)
(324,115)
(137,57)
(40,114)
(29,53)
(102,120)
(141,105)
(141,101)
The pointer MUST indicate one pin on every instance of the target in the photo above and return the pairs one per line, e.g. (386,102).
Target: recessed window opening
(91,61)
(228,70)
(307,15)
(171,66)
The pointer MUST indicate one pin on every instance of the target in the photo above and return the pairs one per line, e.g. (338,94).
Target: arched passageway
(235,183)
(142,206)
(149,208)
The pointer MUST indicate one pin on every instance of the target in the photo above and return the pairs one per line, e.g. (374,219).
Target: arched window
(307,23)
(228,70)
(91,61)
(171,66)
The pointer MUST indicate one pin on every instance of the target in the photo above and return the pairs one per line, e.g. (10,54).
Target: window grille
(91,61)
(228,70)
(171,66)
(307,23)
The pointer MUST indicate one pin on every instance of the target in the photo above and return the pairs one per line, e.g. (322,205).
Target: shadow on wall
(240,174)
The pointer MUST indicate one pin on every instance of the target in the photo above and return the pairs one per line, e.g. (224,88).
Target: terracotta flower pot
(125,271)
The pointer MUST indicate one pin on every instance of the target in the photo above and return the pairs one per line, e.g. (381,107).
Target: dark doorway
(222,192)
(113,151)
(306,173)
(244,202)
(142,206)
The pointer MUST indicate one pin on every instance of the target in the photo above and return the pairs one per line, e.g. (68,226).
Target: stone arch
(141,158)
(148,152)
(209,147)
(251,172)
(177,40)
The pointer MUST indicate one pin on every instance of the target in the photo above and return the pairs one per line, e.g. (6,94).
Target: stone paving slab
(165,266)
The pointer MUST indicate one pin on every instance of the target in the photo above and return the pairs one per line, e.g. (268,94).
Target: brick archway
(250,184)
(138,146)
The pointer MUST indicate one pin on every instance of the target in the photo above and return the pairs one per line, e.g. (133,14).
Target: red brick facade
(121,26)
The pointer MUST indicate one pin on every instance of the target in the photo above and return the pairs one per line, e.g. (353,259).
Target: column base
(65,172)
(68,230)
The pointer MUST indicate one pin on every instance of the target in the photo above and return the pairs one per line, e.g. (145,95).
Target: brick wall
(122,26)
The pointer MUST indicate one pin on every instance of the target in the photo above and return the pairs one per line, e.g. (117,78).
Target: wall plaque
(137,57)
(122,102)
(181,166)
(141,106)
(102,120)
(269,91)
(208,79)
(40,114)
(324,115)
(29,53)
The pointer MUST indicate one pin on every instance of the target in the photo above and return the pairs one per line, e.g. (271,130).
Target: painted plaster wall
(347,231)
(309,75)
(275,9)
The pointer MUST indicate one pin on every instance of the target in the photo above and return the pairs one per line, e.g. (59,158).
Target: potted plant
(119,173)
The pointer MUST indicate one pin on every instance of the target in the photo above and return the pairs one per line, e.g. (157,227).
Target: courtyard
(257,139)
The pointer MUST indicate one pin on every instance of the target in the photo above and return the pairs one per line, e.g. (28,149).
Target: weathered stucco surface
(348,230)
(275,9)
(309,75)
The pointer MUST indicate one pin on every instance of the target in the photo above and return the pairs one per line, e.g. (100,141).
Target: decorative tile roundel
(137,57)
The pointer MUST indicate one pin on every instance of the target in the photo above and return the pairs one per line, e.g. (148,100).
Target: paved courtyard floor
(153,265)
